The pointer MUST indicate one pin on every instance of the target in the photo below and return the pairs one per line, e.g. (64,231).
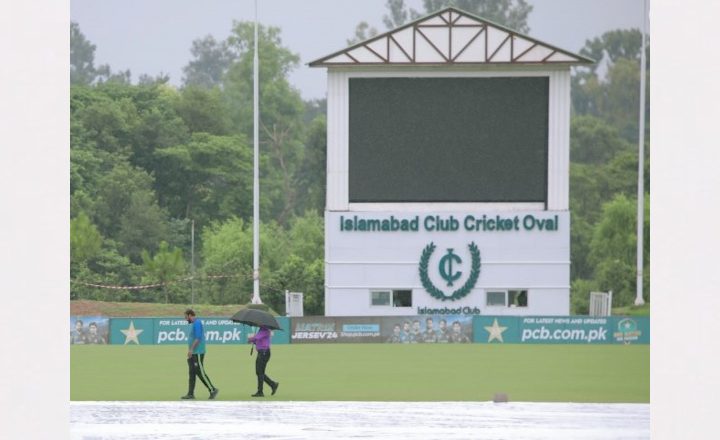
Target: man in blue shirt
(196,357)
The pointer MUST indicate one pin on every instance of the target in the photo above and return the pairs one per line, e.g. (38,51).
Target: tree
(82,62)
(85,240)
(609,89)
(82,57)
(363,31)
(211,61)
(107,124)
(108,267)
(580,296)
(311,177)
(209,178)
(203,110)
(307,237)
(621,102)
(143,225)
(113,194)
(399,14)
(166,266)
(603,169)
(281,114)
(228,250)
(593,141)
(613,249)
(158,126)
(298,265)
(132,120)
(298,275)
(613,46)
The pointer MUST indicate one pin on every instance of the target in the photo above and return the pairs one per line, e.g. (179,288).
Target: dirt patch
(128,309)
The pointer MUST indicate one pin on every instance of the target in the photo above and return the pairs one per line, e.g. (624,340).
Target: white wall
(360,261)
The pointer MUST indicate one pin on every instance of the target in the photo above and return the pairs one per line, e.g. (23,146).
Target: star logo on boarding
(131,333)
(495,331)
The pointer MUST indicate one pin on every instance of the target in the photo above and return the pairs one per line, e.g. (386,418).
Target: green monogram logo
(445,268)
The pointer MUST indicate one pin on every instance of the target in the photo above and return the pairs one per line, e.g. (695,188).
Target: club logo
(447,268)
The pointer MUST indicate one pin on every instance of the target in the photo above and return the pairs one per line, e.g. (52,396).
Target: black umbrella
(256,317)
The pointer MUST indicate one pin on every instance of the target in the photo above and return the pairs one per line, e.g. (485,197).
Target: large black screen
(448,139)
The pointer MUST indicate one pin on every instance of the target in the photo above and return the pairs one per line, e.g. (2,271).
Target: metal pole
(192,261)
(641,168)
(256,182)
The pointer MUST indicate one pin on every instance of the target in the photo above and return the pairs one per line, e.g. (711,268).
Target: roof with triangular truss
(450,37)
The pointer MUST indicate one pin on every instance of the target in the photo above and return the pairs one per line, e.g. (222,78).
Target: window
(391,298)
(509,298)
(380,298)
(402,298)
(496,298)
(517,298)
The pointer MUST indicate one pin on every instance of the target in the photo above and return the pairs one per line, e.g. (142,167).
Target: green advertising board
(561,330)
(174,330)
(132,331)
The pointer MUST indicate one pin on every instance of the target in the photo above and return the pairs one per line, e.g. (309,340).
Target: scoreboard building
(447,172)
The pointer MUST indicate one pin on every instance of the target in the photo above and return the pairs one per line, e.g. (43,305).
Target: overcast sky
(154,36)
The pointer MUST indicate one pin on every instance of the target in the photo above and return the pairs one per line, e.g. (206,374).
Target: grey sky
(150,37)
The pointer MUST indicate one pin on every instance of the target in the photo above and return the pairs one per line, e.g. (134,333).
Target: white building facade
(428,253)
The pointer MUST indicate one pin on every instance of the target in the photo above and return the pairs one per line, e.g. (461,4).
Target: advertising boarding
(562,330)
(175,330)
(383,329)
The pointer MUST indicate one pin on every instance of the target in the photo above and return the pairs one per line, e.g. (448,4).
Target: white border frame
(338,136)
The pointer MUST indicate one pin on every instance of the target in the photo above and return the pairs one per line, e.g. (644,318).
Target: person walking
(262,343)
(196,357)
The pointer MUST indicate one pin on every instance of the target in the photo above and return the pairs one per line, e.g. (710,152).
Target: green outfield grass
(372,372)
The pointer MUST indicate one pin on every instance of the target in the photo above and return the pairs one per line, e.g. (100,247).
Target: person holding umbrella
(262,342)
(266,322)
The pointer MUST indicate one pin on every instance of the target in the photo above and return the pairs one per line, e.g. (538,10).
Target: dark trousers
(263,357)
(196,368)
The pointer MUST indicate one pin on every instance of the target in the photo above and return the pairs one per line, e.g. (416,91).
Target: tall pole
(641,168)
(192,261)
(256,180)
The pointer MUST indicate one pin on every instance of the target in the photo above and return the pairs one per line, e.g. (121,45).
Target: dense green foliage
(372,372)
(153,165)
(149,161)
(604,172)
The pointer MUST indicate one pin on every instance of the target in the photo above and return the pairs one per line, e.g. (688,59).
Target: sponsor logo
(360,330)
(315,335)
(131,334)
(315,330)
(627,331)
(495,331)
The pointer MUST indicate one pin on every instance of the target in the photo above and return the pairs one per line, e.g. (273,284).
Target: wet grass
(643,310)
(373,372)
